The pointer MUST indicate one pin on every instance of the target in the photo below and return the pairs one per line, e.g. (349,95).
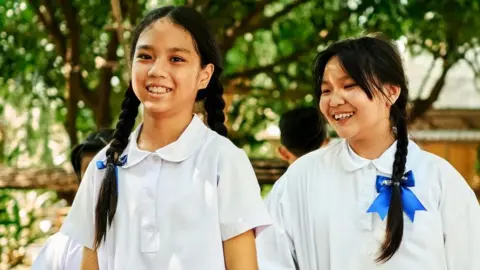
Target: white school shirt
(59,253)
(320,220)
(175,205)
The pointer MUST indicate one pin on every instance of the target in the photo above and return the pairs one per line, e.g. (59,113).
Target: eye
(325,91)
(177,59)
(144,56)
(351,85)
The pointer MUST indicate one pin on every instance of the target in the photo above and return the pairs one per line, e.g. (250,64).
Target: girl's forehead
(164,32)
(335,69)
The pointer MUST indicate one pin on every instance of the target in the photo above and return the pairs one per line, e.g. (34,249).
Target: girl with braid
(172,194)
(373,200)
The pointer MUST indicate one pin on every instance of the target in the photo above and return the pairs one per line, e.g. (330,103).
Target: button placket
(367,196)
(149,230)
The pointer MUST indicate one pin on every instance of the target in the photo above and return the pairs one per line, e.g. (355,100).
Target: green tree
(65,62)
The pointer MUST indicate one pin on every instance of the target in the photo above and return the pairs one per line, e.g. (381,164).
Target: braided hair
(373,62)
(191,21)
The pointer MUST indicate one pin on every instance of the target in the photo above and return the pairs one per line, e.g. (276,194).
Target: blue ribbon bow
(410,202)
(121,161)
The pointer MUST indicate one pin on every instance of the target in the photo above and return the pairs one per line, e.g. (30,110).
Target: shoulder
(223,147)
(310,167)
(435,164)
(58,241)
(319,159)
(441,173)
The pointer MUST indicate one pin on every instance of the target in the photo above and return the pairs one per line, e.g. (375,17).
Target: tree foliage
(64,62)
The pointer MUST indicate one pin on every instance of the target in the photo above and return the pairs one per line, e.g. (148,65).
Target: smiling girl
(373,200)
(172,194)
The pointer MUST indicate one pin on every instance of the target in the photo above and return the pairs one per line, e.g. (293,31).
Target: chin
(346,133)
(155,109)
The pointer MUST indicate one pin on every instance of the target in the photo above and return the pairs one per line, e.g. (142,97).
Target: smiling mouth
(342,116)
(158,90)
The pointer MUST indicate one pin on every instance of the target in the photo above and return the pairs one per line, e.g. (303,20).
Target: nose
(158,69)
(336,98)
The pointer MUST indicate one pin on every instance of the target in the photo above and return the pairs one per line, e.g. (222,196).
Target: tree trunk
(421,106)
(103,117)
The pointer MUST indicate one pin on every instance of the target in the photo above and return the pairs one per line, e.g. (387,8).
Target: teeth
(159,89)
(342,116)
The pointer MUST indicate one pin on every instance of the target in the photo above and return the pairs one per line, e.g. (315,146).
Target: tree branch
(86,95)
(46,14)
(255,21)
(133,11)
(268,21)
(420,106)
(251,17)
(301,50)
(473,64)
(102,116)
(199,5)
(72,62)
(254,71)
(425,79)
(118,17)
(476,70)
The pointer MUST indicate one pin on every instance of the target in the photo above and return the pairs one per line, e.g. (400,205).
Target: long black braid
(395,223)
(108,195)
(214,106)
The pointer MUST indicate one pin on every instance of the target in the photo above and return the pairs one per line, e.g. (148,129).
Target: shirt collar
(351,161)
(187,144)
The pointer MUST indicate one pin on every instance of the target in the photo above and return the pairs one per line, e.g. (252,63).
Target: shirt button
(370,166)
(150,228)
(156,158)
(149,193)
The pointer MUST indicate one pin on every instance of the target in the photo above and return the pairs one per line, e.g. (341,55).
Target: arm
(79,224)
(275,246)
(462,238)
(90,260)
(240,253)
(461,222)
(242,213)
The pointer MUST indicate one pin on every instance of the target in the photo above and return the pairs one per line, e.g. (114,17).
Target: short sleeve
(59,253)
(79,223)
(241,207)
(51,255)
(461,222)
(275,249)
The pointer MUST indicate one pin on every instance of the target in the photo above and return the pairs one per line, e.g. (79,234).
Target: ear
(284,154)
(392,92)
(205,75)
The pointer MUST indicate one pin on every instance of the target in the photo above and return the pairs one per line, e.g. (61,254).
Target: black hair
(372,62)
(193,22)
(302,130)
(94,142)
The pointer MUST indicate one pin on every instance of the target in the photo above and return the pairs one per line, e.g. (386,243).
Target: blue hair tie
(121,162)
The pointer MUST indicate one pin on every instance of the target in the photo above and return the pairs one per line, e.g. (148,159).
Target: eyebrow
(174,49)
(343,78)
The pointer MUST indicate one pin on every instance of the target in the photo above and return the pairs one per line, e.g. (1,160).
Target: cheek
(137,73)
(323,104)
(187,79)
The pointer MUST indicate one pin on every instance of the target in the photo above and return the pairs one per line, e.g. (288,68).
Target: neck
(160,131)
(374,144)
